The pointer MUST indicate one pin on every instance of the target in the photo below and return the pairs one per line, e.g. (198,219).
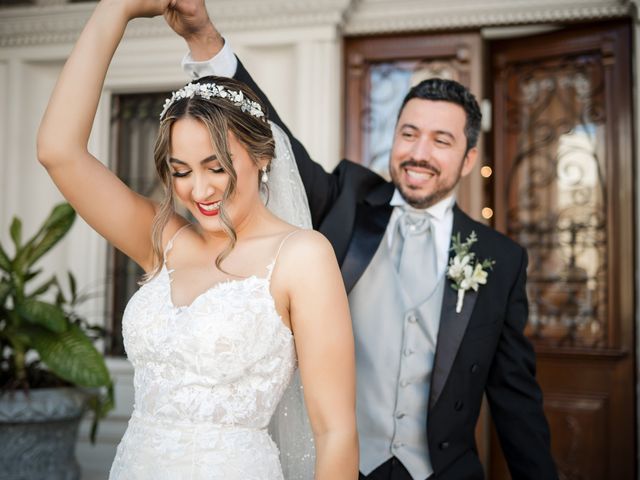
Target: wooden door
(380,71)
(564,190)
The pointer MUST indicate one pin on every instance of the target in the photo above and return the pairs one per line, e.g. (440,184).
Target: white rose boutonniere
(465,271)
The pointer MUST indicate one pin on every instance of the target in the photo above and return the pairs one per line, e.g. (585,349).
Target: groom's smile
(418,174)
(429,154)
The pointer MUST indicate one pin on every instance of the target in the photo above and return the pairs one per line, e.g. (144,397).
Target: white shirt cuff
(223,64)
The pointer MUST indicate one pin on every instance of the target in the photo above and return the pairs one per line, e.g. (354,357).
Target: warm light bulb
(487,212)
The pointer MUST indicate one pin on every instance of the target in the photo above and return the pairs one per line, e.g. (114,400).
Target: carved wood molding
(387,16)
(583,354)
(579,422)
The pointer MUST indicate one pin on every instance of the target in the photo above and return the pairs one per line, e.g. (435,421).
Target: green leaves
(49,316)
(5,263)
(463,248)
(73,288)
(100,405)
(16,232)
(71,356)
(42,318)
(53,229)
(5,290)
(42,289)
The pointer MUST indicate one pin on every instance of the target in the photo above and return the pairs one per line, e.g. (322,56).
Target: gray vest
(395,346)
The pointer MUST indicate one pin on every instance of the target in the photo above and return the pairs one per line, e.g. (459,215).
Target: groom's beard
(423,198)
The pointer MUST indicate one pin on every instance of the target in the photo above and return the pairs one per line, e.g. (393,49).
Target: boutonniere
(465,271)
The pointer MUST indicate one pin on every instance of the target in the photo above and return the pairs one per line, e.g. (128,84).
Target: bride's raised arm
(101,198)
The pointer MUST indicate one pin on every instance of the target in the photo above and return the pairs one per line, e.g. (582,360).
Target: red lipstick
(209,212)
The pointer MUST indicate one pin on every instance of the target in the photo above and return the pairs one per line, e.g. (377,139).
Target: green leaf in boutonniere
(465,270)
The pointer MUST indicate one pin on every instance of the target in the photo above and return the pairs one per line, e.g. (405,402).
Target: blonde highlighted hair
(219,116)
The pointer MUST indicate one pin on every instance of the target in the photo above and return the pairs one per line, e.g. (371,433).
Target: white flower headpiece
(209,90)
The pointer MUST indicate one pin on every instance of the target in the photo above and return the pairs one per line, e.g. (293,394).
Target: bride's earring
(264,178)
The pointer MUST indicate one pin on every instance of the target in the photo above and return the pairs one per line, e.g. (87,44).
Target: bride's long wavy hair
(219,116)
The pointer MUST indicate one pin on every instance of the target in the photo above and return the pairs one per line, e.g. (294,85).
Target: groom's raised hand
(190,20)
(138,8)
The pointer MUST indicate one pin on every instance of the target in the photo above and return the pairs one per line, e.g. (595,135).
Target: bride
(231,301)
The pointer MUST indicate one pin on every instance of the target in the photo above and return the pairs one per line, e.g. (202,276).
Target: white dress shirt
(224,64)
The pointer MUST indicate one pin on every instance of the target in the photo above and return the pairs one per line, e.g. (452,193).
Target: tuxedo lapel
(452,324)
(369,227)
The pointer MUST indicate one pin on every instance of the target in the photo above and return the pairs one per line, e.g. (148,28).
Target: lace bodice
(207,378)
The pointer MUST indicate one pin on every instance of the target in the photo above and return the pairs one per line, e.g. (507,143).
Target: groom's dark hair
(439,89)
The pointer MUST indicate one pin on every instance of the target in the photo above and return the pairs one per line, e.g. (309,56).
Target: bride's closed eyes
(181,174)
(180,169)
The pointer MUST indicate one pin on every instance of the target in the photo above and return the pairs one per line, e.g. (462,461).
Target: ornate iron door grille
(557,190)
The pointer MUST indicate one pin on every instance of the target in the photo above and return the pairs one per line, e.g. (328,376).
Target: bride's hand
(188,18)
(143,8)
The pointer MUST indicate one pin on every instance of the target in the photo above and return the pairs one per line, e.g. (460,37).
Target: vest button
(408,352)
(443,445)
(411,318)
(404,383)
(397,445)
(474,368)
(399,415)
(458,405)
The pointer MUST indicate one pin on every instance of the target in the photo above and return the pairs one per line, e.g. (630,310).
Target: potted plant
(50,370)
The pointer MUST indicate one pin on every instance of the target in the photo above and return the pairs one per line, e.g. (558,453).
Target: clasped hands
(188,18)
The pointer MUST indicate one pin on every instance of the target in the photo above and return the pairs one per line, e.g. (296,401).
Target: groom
(425,354)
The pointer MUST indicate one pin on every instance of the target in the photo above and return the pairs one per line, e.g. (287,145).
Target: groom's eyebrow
(209,159)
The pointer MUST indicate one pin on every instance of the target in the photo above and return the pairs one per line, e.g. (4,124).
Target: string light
(487,212)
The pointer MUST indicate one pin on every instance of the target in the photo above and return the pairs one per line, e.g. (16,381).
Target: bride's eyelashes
(184,174)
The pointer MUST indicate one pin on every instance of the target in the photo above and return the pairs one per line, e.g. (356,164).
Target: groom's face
(429,153)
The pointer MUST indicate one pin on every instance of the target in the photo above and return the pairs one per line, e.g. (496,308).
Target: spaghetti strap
(272,265)
(171,240)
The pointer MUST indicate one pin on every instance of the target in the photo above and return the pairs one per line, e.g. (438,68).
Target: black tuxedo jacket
(481,349)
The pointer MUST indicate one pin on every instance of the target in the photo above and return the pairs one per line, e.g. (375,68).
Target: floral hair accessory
(211,90)
(465,271)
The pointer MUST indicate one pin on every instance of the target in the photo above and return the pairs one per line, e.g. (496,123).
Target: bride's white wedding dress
(208,377)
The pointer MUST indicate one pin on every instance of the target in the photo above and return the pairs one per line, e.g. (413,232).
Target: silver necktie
(415,255)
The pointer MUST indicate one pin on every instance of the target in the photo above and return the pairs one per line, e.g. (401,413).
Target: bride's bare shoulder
(305,249)
(301,241)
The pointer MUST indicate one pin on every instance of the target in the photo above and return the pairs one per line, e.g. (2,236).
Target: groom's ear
(469,161)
